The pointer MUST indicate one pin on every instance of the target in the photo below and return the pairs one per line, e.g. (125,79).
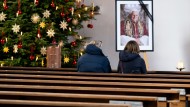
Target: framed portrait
(134,21)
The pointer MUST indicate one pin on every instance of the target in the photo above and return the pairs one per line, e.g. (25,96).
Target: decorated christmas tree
(28,27)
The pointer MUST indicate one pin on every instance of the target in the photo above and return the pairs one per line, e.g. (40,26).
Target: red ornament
(5,5)
(36,2)
(39,34)
(19,12)
(66,0)
(52,4)
(73,43)
(54,41)
(68,19)
(2,41)
(32,57)
(20,45)
(70,9)
(74,62)
(62,14)
(90,26)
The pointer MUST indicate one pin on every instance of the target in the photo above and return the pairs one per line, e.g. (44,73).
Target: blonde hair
(132,47)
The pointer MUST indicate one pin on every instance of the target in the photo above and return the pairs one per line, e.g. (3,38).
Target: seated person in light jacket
(130,61)
(93,61)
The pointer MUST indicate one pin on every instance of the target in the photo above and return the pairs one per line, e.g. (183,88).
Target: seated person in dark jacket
(130,61)
(93,61)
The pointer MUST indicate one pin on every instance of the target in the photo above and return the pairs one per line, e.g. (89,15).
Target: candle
(11,57)
(80,37)
(37,58)
(81,53)
(56,7)
(72,11)
(180,65)
(69,29)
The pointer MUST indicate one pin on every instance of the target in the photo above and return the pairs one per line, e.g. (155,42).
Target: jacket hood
(126,56)
(93,50)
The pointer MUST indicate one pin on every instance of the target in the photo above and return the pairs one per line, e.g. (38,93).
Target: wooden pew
(31,103)
(38,69)
(81,78)
(188,98)
(68,73)
(50,73)
(68,97)
(98,84)
(95,83)
(88,78)
(170,72)
(169,94)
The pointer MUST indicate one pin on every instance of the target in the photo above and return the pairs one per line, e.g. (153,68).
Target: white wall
(171,33)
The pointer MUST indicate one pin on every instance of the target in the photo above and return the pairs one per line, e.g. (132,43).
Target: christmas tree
(28,27)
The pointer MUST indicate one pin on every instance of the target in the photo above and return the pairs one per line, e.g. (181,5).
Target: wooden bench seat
(87,78)
(95,84)
(54,75)
(170,72)
(98,84)
(37,68)
(68,73)
(169,94)
(31,103)
(95,98)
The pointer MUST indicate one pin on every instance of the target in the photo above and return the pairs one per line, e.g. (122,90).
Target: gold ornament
(5,49)
(75,21)
(42,24)
(66,59)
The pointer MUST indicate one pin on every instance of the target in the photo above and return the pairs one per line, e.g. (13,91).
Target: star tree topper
(2,17)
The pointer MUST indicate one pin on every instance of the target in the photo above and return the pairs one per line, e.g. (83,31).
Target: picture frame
(134,21)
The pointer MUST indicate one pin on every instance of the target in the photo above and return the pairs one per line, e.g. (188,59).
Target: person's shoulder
(141,59)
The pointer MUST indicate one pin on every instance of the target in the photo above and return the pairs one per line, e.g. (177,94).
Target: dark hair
(132,47)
